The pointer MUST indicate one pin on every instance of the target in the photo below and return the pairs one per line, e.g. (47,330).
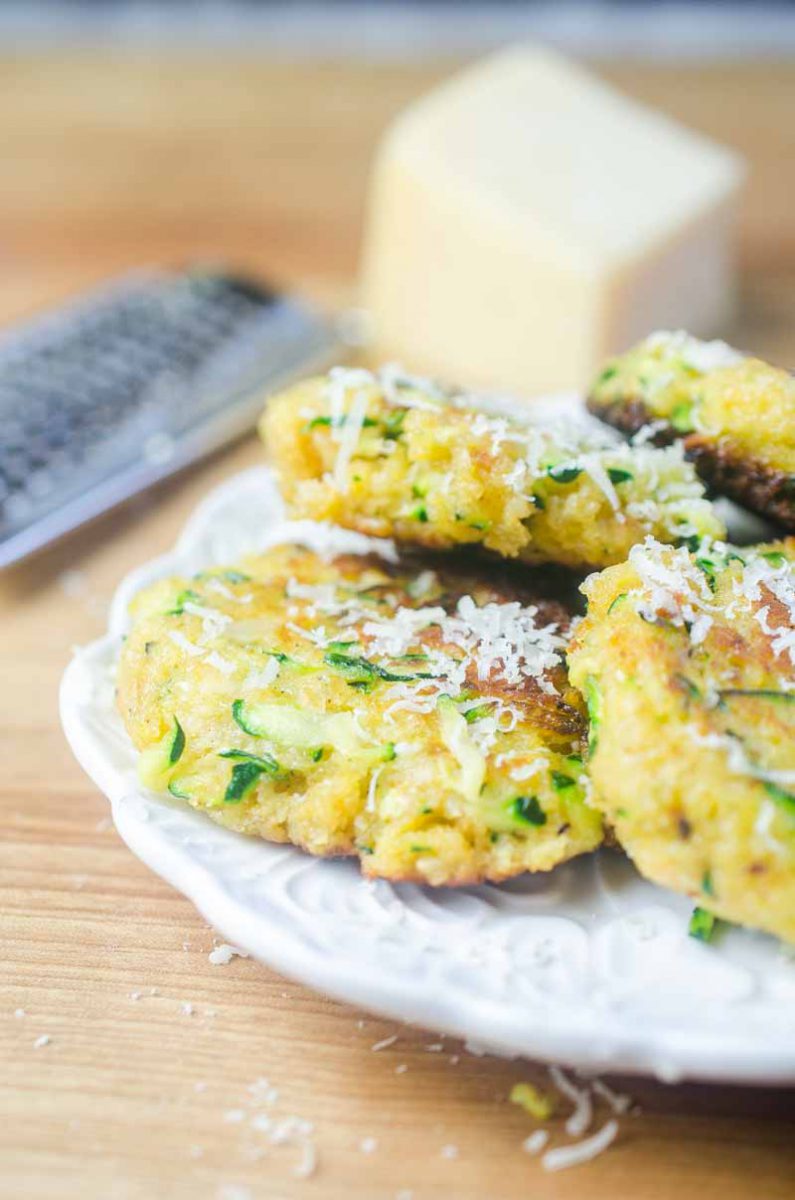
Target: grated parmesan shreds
(779,580)
(701,356)
(307,1163)
(619,1102)
(372,788)
(262,677)
(737,760)
(580,1120)
(561,1157)
(672,586)
(384,1044)
(500,642)
(536,1142)
(222,955)
(540,440)
(184,643)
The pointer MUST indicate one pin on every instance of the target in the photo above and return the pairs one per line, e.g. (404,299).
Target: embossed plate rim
(167,838)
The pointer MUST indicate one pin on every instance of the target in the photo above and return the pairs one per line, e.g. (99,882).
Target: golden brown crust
(444,475)
(693,725)
(415,779)
(756,486)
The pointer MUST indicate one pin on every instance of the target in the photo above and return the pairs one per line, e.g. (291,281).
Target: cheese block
(526,220)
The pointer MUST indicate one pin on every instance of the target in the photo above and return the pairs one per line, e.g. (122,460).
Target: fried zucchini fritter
(393,456)
(687,662)
(735,415)
(421,720)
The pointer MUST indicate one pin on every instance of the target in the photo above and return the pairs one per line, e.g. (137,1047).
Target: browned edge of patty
(765,491)
(550,590)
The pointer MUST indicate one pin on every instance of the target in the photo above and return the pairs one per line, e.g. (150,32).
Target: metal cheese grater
(123,387)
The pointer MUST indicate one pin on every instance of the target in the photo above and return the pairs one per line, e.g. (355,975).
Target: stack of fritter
(419,713)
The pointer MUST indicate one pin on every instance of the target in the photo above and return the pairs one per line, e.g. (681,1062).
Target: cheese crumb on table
(222,955)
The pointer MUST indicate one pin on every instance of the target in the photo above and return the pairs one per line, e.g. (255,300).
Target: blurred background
(394,29)
(137,130)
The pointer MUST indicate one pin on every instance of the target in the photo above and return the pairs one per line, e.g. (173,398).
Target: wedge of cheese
(526,220)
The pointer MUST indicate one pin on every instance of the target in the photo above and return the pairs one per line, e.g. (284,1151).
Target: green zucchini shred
(593,700)
(246,773)
(775,558)
(614,603)
(239,717)
(759,694)
(362,672)
(681,417)
(393,423)
(478,712)
(337,422)
(177,743)
(187,595)
(787,799)
(563,474)
(710,569)
(687,686)
(701,925)
(528,809)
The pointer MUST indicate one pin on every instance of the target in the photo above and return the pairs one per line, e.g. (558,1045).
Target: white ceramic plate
(589,965)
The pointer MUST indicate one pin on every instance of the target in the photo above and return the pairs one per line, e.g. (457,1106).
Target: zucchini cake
(420,719)
(735,415)
(394,456)
(687,661)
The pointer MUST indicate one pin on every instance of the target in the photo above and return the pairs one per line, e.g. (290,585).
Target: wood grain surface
(107,163)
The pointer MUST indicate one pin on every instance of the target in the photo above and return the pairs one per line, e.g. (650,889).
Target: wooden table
(108,162)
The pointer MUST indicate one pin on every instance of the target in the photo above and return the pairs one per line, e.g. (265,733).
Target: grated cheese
(580,1120)
(214,659)
(371,790)
(619,1102)
(562,1157)
(759,573)
(384,1043)
(348,437)
(701,356)
(536,442)
(222,955)
(672,586)
(184,643)
(536,1142)
(737,760)
(307,1163)
(263,677)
